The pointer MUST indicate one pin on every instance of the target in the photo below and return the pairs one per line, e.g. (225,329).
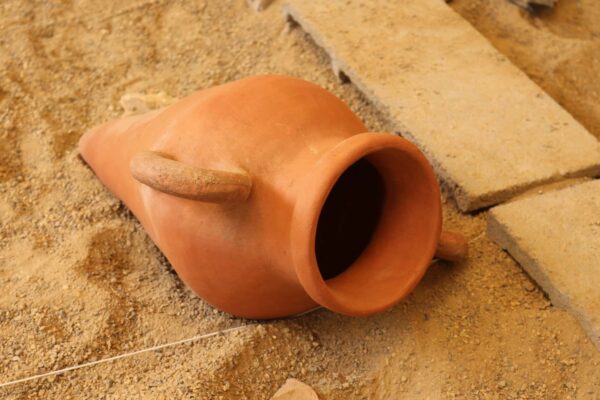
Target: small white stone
(294,389)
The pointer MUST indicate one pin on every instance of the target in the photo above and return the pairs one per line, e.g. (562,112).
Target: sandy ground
(81,281)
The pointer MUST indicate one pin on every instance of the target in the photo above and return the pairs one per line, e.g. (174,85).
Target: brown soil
(81,280)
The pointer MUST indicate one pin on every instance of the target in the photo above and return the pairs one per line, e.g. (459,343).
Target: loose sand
(81,281)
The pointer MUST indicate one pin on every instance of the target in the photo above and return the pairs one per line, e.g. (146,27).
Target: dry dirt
(81,281)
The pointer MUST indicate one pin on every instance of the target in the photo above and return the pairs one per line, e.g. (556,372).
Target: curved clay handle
(161,172)
(452,247)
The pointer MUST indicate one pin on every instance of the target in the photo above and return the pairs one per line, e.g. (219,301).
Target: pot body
(256,258)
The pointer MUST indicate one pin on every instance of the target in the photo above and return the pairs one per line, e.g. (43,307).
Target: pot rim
(339,294)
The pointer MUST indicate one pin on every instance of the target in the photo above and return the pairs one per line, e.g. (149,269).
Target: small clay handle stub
(452,247)
(161,172)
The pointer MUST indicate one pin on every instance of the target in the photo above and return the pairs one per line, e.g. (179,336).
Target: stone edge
(499,233)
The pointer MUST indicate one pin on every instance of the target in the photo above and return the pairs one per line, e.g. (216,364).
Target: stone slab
(555,236)
(489,131)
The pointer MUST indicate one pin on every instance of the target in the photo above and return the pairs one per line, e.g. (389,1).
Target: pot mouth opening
(348,218)
(368,229)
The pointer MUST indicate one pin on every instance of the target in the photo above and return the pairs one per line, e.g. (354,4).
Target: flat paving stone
(489,131)
(555,236)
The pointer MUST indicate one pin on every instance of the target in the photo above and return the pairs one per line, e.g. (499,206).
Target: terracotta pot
(268,198)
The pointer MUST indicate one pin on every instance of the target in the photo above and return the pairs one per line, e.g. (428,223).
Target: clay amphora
(269,199)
